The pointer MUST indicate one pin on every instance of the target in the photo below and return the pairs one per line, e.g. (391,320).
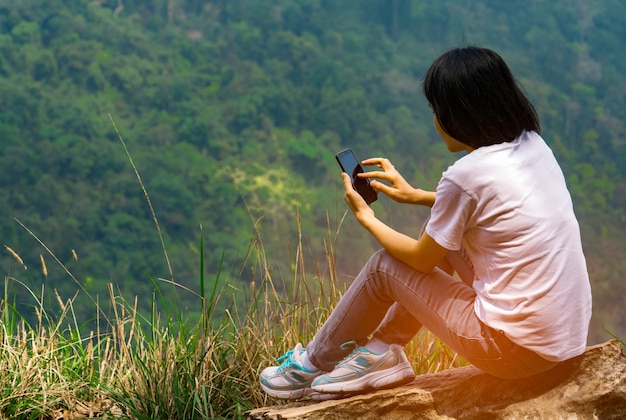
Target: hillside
(232,111)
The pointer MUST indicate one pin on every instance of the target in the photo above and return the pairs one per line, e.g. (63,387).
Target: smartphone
(351,165)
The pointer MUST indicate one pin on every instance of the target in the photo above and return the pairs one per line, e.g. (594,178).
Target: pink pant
(392,301)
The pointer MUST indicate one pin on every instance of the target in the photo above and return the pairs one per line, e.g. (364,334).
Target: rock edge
(590,386)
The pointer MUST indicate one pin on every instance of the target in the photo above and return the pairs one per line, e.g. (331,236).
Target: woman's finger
(387,176)
(381,162)
(382,188)
(347,181)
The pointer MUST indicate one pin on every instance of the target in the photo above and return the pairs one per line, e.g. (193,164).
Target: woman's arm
(423,254)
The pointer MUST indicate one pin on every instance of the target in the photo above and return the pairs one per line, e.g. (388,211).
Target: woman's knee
(378,258)
(381,255)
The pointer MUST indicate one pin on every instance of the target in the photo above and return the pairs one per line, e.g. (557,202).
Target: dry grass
(148,366)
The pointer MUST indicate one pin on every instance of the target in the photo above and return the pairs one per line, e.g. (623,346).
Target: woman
(501,216)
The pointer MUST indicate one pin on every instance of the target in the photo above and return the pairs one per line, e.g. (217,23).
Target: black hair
(477,99)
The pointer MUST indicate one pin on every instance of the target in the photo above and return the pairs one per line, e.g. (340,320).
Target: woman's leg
(435,300)
(294,377)
(371,298)
(399,326)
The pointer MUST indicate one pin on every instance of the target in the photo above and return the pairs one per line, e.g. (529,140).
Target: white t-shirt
(508,205)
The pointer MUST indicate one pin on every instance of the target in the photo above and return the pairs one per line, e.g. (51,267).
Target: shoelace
(286,359)
(347,344)
(355,347)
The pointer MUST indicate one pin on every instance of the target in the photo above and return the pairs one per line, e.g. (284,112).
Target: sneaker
(290,380)
(364,370)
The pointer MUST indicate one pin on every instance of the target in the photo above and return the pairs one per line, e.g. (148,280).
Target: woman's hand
(355,202)
(398,189)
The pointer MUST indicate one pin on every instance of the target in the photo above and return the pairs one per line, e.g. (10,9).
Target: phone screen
(350,165)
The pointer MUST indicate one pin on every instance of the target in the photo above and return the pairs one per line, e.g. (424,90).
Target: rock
(591,386)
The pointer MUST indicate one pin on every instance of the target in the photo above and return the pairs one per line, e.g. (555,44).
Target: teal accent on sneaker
(364,370)
(298,378)
(363,362)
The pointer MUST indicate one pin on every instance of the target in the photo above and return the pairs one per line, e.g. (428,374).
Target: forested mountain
(232,111)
